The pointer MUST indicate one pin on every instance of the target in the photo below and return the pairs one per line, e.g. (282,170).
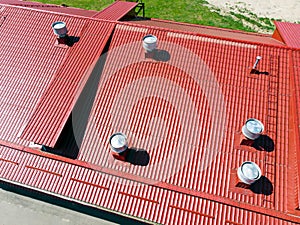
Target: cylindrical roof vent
(252,128)
(149,42)
(249,172)
(60,28)
(256,62)
(118,143)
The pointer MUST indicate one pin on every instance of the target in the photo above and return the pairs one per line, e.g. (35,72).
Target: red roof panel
(290,33)
(116,11)
(50,7)
(57,102)
(143,99)
(129,197)
(21,83)
(185,107)
(295,109)
(211,31)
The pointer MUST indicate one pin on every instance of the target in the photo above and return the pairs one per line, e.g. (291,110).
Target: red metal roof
(289,32)
(211,31)
(186,108)
(134,92)
(50,7)
(57,102)
(22,84)
(116,10)
(156,204)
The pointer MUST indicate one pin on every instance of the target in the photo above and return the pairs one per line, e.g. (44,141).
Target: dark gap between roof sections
(69,142)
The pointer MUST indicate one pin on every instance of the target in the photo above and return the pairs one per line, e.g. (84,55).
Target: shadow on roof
(68,40)
(262,186)
(264,143)
(158,55)
(257,72)
(138,157)
(161,55)
(136,18)
(70,139)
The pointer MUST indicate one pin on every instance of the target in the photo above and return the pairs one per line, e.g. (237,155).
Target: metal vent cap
(118,142)
(252,128)
(60,28)
(149,42)
(249,172)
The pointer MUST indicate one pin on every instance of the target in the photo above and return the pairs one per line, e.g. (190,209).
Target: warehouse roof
(183,106)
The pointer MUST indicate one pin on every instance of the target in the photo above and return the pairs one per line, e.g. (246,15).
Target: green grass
(190,11)
(84,4)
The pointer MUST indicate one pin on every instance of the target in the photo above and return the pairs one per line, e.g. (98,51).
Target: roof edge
(212,27)
(273,213)
(82,207)
(205,35)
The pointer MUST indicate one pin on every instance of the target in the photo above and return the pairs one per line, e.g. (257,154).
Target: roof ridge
(211,27)
(205,35)
(153,27)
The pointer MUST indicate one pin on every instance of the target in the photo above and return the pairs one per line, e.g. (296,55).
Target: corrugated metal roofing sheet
(185,107)
(125,195)
(116,11)
(290,33)
(57,102)
(211,31)
(29,60)
(295,108)
(143,99)
(51,8)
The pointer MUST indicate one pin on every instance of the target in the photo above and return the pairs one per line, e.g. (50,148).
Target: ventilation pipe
(258,58)
(118,145)
(249,172)
(252,129)
(60,29)
(149,43)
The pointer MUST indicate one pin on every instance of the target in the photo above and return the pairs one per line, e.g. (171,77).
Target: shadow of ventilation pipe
(120,151)
(253,130)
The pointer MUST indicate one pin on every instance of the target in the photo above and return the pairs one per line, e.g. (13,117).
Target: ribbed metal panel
(296,70)
(122,195)
(211,31)
(116,11)
(29,61)
(295,125)
(57,102)
(49,7)
(289,32)
(262,97)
